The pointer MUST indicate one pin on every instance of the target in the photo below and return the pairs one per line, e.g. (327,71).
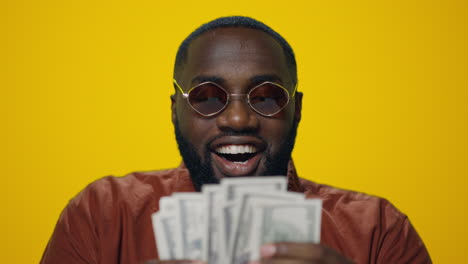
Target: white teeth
(236,149)
(240,162)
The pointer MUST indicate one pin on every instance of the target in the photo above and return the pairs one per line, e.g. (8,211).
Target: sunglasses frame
(186,96)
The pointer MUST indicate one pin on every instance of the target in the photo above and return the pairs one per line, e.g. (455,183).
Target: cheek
(196,129)
(275,130)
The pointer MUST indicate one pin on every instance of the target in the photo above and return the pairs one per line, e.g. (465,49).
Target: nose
(238,117)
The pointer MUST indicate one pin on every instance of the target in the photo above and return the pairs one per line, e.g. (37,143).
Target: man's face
(238,141)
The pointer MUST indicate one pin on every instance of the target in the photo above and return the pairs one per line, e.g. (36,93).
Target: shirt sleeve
(401,243)
(74,240)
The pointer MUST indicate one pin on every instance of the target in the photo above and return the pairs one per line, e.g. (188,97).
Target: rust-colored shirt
(109,222)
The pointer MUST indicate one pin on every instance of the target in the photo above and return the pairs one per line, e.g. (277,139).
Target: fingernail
(267,250)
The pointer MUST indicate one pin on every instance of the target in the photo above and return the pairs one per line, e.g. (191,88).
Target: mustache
(233,133)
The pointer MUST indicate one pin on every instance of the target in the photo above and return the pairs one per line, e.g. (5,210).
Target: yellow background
(85,91)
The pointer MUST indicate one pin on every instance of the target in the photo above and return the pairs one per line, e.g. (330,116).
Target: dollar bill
(231,186)
(225,224)
(240,251)
(211,252)
(190,221)
(162,243)
(228,209)
(228,222)
(167,205)
(165,230)
(285,222)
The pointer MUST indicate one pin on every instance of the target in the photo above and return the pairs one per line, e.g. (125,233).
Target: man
(235,111)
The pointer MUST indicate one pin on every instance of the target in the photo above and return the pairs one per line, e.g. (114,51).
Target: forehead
(235,54)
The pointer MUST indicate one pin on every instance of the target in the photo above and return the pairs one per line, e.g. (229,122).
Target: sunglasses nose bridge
(237,97)
(237,114)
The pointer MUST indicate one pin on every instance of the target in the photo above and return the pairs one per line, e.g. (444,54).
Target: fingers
(293,253)
(293,250)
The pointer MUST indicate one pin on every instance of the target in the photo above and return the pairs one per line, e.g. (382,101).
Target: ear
(173,108)
(298,106)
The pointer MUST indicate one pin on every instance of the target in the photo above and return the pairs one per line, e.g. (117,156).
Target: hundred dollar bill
(231,186)
(167,205)
(228,208)
(240,251)
(164,229)
(285,222)
(211,249)
(225,224)
(164,243)
(190,221)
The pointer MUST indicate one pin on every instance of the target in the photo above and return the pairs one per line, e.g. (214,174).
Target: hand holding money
(228,223)
(291,253)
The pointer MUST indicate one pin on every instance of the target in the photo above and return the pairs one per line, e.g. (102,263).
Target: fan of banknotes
(228,222)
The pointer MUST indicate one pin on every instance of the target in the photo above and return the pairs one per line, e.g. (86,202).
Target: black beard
(277,164)
(202,172)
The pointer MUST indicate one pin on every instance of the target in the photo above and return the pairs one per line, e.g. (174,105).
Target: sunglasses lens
(208,98)
(268,98)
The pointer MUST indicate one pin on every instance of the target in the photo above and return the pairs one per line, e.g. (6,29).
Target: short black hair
(237,21)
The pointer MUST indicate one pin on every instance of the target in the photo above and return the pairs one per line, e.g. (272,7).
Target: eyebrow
(255,80)
(207,78)
(258,79)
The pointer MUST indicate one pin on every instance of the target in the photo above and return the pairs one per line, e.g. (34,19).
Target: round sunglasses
(208,98)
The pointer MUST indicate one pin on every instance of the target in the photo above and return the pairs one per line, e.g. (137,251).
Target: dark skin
(237,58)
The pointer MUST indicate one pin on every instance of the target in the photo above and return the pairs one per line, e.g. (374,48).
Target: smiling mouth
(236,159)
(236,153)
